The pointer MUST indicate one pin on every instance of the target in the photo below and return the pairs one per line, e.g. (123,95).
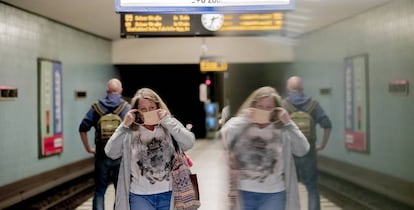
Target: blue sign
(201,6)
(211,109)
(211,123)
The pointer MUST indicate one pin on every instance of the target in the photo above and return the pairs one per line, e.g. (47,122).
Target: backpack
(107,123)
(303,119)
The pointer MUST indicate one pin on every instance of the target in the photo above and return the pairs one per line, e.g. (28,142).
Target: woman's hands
(282,115)
(130,117)
(280,112)
(162,113)
(133,114)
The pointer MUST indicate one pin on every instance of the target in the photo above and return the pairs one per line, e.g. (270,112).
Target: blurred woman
(144,140)
(261,141)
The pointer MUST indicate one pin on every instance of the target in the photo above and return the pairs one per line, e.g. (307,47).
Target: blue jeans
(262,201)
(160,201)
(307,171)
(106,171)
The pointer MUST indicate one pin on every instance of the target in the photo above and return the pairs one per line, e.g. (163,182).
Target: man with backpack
(104,115)
(306,113)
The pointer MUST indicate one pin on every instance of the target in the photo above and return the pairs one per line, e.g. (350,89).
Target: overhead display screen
(169,25)
(200,6)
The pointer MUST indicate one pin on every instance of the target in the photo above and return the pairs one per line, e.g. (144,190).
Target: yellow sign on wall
(212,64)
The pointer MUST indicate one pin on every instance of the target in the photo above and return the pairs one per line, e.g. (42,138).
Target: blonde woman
(145,142)
(262,140)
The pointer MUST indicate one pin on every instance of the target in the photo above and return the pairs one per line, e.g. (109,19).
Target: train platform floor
(210,166)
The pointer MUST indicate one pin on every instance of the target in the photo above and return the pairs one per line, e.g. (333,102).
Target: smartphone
(138,118)
(151,117)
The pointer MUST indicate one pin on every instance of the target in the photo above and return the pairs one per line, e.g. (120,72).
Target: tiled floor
(210,166)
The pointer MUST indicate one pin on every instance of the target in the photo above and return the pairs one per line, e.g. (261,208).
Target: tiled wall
(86,64)
(386,34)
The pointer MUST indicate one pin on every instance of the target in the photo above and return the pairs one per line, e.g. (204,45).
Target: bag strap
(175,143)
(98,109)
(289,106)
(118,110)
(311,106)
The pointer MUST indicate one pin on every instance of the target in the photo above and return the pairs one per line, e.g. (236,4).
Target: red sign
(355,141)
(52,144)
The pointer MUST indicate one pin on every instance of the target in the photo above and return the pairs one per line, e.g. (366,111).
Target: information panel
(139,25)
(356,103)
(50,112)
(201,6)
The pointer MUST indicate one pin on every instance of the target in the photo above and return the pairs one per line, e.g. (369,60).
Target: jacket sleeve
(232,129)
(299,144)
(321,118)
(91,118)
(184,137)
(113,147)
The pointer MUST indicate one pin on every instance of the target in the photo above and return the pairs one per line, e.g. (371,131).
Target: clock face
(212,22)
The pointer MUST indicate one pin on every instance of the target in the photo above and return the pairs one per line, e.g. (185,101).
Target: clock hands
(212,20)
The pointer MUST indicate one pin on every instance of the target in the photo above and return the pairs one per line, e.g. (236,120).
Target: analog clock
(212,22)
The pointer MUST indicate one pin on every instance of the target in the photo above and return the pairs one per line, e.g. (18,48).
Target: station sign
(170,25)
(212,63)
(201,6)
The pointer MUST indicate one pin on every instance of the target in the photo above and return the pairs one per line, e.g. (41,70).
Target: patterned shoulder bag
(185,184)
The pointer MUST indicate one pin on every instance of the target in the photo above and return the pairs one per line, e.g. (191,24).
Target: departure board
(170,25)
(252,22)
(137,25)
